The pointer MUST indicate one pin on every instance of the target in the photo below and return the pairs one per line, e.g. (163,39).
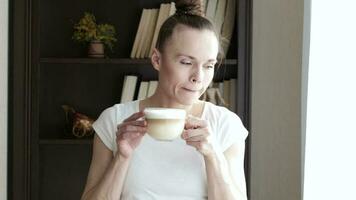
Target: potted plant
(96,35)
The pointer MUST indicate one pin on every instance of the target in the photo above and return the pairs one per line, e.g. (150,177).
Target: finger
(199,138)
(135,116)
(197,145)
(142,123)
(195,132)
(194,122)
(130,135)
(131,128)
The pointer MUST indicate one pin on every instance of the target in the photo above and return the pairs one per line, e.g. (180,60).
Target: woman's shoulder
(221,116)
(227,125)
(219,111)
(105,125)
(120,110)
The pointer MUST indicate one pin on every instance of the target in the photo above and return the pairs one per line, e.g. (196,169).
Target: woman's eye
(210,66)
(184,62)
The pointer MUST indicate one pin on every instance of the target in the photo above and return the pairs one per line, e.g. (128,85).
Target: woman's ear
(156,59)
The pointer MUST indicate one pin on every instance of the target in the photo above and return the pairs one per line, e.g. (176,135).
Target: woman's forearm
(220,184)
(111,184)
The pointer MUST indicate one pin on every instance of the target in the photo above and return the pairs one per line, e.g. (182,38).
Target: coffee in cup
(165,123)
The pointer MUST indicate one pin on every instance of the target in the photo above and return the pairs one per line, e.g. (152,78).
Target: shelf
(110,61)
(66,141)
(95,60)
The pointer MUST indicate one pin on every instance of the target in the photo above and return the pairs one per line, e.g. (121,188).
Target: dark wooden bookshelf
(126,61)
(48,69)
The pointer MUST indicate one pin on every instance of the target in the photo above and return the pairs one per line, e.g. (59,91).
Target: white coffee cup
(165,123)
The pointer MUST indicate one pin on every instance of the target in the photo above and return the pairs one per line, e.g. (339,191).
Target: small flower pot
(96,49)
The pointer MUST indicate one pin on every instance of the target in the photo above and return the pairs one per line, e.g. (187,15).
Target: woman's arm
(106,174)
(226,178)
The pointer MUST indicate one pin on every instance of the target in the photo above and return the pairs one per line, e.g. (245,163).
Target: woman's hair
(189,13)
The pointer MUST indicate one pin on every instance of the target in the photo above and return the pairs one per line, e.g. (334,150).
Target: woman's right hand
(129,134)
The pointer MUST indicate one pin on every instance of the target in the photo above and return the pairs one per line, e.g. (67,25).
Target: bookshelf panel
(63,171)
(232,51)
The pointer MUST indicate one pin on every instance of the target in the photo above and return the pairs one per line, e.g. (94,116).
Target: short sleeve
(105,127)
(231,129)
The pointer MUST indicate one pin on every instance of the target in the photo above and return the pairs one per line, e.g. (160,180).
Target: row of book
(221,12)
(148,28)
(227,90)
(134,89)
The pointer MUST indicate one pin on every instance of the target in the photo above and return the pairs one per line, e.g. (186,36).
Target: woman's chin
(189,98)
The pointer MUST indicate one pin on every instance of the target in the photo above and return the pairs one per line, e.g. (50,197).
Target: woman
(206,162)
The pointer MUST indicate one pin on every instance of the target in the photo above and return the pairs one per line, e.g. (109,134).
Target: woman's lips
(189,90)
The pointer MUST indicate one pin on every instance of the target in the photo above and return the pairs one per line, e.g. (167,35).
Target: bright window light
(330,156)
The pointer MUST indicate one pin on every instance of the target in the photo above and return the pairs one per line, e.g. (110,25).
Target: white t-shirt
(161,170)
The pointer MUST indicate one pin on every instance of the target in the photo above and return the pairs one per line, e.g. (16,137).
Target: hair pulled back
(189,13)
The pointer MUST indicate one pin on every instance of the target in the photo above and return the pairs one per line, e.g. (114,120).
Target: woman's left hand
(197,134)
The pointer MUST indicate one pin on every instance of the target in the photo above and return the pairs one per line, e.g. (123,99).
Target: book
(228,25)
(219,15)
(221,88)
(129,88)
(162,16)
(205,5)
(142,92)
(142,38)
(138,35)
(233,93)
(152,86)
(227,92)
(210,9)
(150,32)
(172,9)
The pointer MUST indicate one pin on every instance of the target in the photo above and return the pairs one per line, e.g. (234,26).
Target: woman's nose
(197,75)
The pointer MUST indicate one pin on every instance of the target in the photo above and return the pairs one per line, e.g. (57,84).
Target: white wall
(3,95)
(330,156)
(276,126)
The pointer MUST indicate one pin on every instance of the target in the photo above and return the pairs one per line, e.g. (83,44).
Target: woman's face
(186,65)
